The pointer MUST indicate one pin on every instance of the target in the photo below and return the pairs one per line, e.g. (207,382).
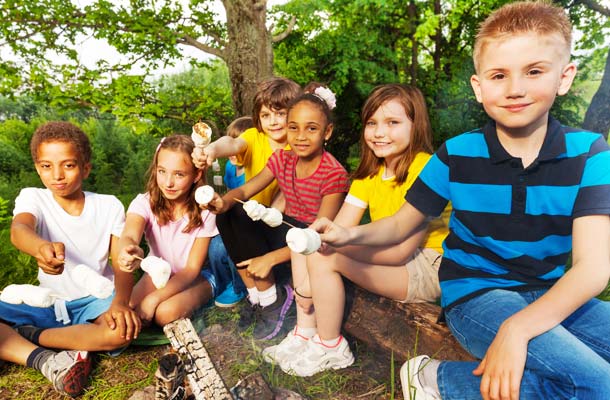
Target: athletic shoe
(248,314)
(292,345)
(68,371)
(169,378)
(412,387)
(317,358)
(228,298)
(271,318)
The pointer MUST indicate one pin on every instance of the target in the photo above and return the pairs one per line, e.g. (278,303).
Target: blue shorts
(81,311)
(207,274)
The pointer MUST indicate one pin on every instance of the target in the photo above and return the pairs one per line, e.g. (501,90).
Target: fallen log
(406,330)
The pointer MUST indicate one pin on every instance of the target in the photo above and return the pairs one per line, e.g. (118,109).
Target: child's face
(307,129)
(60,170)
(388,131)
(175,174)
(518,79)
(273,123)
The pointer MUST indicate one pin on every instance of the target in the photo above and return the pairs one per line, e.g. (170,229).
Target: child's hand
(217,205)
(199,159)
(257,266)
(121,316)
(51,257)
(129,258)
(330,233)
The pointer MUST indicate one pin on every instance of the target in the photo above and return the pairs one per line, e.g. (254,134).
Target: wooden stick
(138,257)
(283,222)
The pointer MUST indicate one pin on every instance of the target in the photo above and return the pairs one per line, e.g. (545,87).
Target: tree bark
(406,330)
(597,117)
(249,50)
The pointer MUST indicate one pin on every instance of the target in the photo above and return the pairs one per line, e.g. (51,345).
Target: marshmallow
(272,217)
(31,295)
(97,285)
(303,241)
(158,269)
(204,194)
(202,134)
(254,209)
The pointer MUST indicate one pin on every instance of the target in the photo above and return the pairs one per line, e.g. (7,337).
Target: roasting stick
(283,222)
(138,257)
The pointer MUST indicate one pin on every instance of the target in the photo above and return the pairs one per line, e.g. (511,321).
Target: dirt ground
(236,355)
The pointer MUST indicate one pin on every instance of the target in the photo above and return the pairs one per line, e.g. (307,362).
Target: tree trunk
(597,117)
(249,50)
(405,330)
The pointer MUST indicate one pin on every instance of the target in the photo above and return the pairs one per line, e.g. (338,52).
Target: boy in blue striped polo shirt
(526,192)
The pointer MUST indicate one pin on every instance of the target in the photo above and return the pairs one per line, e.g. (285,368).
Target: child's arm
(49,255)
(178,282)
(120,314)
(503,364)
(386,231)
(223,147)
(219,205)
(129,243)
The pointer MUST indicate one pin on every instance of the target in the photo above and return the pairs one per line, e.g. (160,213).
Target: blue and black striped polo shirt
(511,227)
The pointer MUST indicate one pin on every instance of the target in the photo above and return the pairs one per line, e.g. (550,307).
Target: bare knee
(111,338)
(321,264)
(166,313)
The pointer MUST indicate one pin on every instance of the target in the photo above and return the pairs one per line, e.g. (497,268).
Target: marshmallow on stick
(303,241)
(202,134)
(158,269)
(271,216)
(97,285)
(204,194)
(31,295)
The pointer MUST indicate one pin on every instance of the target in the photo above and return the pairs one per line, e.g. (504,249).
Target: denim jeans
(223,267)
(570,361)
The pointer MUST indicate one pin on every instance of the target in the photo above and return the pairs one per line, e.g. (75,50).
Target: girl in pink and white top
(313,183)
(176,230)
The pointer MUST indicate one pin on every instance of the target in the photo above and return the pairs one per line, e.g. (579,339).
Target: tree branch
(190,41)
(594,5)
(282,35)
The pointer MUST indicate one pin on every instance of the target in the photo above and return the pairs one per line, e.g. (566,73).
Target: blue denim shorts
(80,311)
(207,274)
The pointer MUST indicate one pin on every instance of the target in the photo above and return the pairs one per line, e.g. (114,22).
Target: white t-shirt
(168,241)
(86,237)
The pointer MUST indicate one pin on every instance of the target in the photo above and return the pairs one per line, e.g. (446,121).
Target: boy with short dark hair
(67,229)
(526,192)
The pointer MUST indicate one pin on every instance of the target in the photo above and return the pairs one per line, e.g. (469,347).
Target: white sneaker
(412,387)
(317,357)
(287,349)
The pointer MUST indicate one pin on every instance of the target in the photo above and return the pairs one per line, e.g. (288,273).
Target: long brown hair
(414,104)
(161,207)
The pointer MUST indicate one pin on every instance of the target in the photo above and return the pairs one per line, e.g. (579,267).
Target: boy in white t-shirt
(67,229)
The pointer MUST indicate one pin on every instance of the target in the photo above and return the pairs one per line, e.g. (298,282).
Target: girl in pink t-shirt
(176,230)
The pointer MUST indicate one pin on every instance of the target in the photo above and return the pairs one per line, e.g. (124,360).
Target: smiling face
(308,129)
(61,170)
(273,123)
(175,175)
(518,78)
(388,132)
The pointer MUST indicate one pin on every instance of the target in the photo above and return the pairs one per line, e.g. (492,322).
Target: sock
(307,333)
(331,343)
(253,295)
(427,375)
(38,357)
(267,296)
(30,332)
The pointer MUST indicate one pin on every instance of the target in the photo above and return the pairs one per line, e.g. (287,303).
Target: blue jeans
(570,361)
(223,267)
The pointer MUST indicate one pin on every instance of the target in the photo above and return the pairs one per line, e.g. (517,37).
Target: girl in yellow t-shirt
(396,143)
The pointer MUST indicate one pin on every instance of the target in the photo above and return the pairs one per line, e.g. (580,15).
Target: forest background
(125,107)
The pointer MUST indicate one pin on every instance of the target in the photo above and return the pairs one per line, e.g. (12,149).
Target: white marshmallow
(31,295)
(254,209)
(303,241)
(97,285)
(204,194)
(158,269)
(202,134)
(272,217)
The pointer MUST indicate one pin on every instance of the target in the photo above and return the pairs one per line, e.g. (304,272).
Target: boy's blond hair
(239,125)
(540,17)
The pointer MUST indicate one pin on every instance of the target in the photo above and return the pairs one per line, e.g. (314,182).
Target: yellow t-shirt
(254,160)
(384,197)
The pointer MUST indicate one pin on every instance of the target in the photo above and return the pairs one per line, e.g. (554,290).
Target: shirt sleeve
(276,161)
(594,193)
(430,192)
(117,216)
(208,229)
(140,205)
(27,202)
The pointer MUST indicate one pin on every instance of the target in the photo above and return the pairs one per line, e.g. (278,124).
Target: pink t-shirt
(168,241)
(304,196)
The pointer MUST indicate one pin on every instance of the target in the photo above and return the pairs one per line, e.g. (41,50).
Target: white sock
(307,333)
(253,295)
(427,375)
(331,343)
(267,296)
